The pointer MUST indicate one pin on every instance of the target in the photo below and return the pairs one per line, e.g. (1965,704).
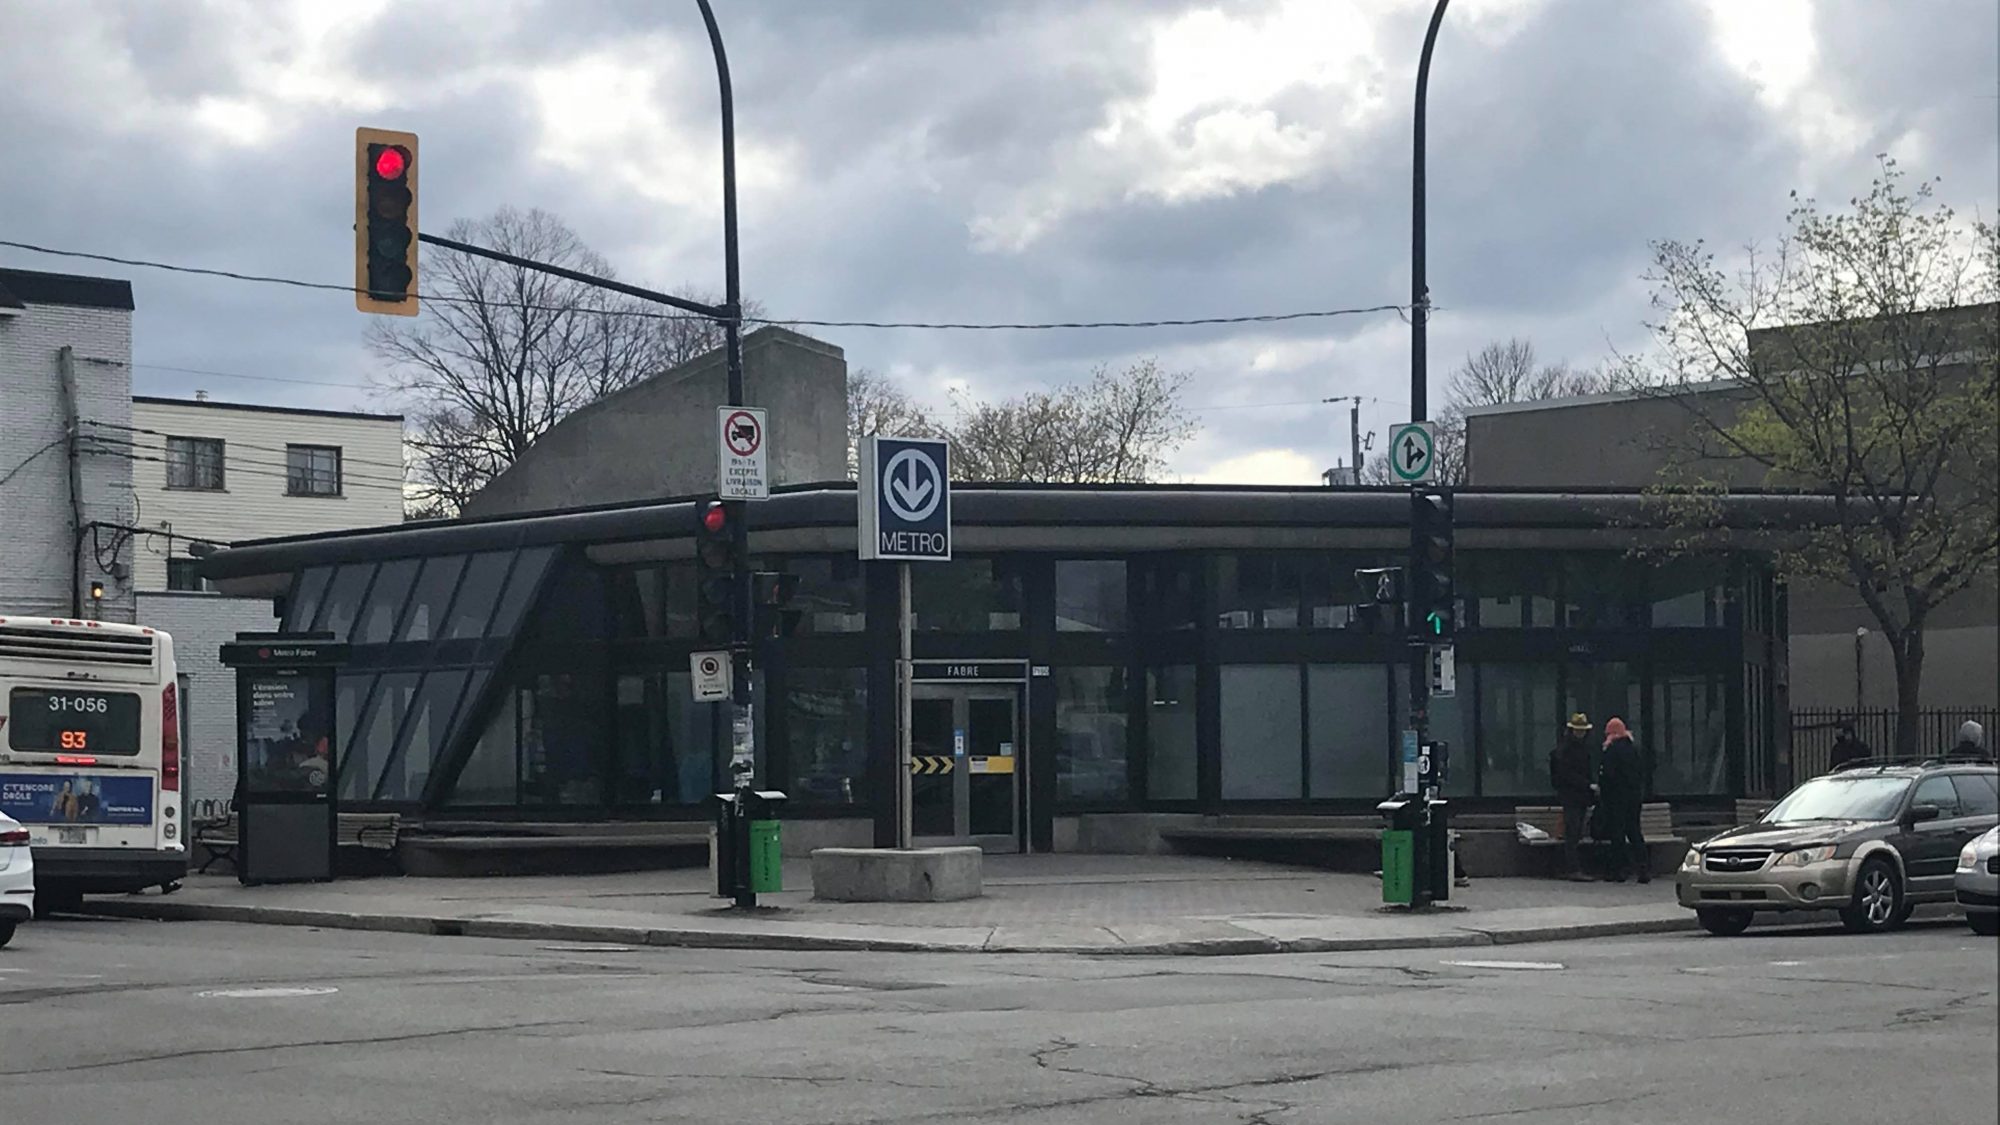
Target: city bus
(90,755)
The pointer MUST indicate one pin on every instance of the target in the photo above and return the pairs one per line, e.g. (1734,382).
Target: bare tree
(877,405)
(502,353)
(1495,374)
(1856,362)
(1118,427)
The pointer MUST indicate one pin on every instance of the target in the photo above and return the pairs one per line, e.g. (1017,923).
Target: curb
(167,910)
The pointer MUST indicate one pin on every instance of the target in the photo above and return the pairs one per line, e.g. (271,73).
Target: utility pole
(73,439)
(1420,308)
(1354,435)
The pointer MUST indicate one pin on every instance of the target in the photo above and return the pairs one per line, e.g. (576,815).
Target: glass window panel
(1090,596)
(1334,598)
(1445,723)
(1516,589)
(1169,593)
(304,605)
(1257,590)
(826,717)
(831,597)
(1170,733)
(1260,731)
(1347,729)
(1976,795)
(1091,747)
(194,463)
(1518,726)
(489,775)
(1602,691)
(669,746)
(966,596)
(423,736)
(1937,790)
(1687,593)
(312,470)
(375,736)
(698,734)
(349,693)
(1596,591)
(1689,732)
(473,607)
(435,584)
(560,740)
(377,622)
(521,586)
(343,599)
(638,602)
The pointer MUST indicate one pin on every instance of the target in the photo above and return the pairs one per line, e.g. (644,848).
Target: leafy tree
(1852,360)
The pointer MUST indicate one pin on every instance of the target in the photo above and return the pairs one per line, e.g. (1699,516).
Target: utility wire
(114,447)
(972,326)
(31,458)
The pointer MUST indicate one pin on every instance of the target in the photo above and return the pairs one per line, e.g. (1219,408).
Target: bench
(219,836)
(223,836)
(1656,824)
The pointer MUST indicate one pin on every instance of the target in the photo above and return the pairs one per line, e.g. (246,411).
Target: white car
(1978,883)
(17,878)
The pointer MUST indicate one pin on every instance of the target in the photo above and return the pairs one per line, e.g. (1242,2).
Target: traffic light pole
(1416,587)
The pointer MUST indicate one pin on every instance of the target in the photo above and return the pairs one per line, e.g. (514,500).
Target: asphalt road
(222,1024)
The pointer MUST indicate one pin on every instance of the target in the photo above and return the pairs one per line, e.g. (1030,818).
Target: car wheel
(6,932)
(1878,899)
(1987,924)
(1723,923)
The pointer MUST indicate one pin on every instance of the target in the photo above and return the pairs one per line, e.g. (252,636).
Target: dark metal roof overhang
(987,518)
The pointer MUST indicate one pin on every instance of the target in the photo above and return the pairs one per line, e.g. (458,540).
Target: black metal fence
(1814,732)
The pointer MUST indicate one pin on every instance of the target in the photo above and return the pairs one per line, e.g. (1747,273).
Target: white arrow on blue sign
(905,499)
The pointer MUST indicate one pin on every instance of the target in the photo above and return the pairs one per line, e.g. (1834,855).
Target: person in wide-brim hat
(1579,722)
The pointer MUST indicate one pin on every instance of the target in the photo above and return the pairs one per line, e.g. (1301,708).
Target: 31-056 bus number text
(82,703)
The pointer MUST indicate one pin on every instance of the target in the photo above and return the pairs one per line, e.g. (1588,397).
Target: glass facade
(533,681)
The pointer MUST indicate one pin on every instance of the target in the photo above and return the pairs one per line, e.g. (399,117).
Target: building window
(194,463)
(826,711)
(311,470)
(1518,726)
(1257,590)
(1261,731)
(1347,729)
(1090,596)
(1091,745)
(966,596)
(181,575)
(1170,732)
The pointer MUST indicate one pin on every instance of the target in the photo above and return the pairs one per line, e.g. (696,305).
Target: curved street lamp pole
(1420,293)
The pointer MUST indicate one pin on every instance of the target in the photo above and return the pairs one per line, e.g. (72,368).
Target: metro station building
(1095,662)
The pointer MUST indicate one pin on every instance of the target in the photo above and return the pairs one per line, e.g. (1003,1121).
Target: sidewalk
(1074,904)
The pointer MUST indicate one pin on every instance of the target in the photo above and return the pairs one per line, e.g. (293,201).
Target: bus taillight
(170,740)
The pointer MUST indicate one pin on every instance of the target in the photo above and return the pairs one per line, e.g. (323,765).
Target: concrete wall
(658,437)
(253,502)
(1604,441)
(199,624)
(35,554)
(1960,646)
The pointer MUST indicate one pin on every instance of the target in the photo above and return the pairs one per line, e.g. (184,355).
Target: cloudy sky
(1017,160)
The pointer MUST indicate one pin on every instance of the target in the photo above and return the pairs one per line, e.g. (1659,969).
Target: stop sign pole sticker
(741,462)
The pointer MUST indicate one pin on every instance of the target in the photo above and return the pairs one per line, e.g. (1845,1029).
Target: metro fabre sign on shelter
(905,499)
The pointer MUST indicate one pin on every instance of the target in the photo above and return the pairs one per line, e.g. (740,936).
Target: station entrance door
(966,765)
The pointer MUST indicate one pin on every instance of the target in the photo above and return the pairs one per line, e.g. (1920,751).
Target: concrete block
(893,875)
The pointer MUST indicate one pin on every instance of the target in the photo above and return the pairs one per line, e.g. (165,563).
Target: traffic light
(771,595)
(715,571)
(1433,599)
(385,222)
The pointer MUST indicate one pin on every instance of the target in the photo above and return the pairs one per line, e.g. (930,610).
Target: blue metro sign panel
(905,499)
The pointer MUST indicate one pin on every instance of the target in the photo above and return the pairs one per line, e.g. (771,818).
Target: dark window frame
(183,576)
(182,453)
(303,479)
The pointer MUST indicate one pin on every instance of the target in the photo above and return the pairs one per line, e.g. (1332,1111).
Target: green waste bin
(766,863)
(1398,866)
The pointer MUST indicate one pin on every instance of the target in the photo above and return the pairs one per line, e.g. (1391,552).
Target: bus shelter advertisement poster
(77,798)
(287,731)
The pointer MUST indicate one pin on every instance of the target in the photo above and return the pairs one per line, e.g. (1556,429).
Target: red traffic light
(390,162)
(714,518)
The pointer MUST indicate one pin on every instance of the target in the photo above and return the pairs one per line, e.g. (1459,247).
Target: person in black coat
(1622,789)
(1846,748)
(1569,773)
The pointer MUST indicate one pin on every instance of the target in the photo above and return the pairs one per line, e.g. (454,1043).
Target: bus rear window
(65,721)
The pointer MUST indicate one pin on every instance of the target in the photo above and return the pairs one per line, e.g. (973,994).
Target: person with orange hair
(1621,785)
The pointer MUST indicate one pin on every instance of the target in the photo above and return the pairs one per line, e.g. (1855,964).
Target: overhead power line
(969,326)
(232,443)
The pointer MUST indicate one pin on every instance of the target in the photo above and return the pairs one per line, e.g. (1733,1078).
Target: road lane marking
(1532,966)
(283,993)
